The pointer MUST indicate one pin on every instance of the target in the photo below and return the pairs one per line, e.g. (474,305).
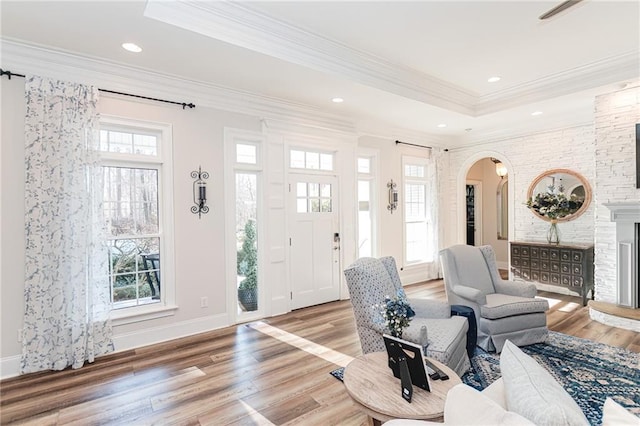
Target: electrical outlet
(204,302)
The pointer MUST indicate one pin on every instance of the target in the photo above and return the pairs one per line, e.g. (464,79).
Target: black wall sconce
(199,192)
(393,196)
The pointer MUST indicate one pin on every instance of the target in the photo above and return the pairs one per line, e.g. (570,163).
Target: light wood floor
(272,372)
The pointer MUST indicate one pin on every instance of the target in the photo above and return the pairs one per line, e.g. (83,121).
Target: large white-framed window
(244,168)
(416,203)
(137,204)
(367,204)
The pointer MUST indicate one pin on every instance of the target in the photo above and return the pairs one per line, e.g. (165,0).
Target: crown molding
(506,136)
(610,70)
(24,58)
(39,60)
(240,25)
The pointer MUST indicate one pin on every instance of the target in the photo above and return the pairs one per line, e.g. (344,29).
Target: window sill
(141,313)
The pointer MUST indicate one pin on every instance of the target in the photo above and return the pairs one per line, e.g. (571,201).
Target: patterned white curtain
(66,319)
(433,267)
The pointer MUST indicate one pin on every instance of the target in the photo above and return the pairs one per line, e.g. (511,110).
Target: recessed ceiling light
(337,100)
(536,113)
(132,47)
(493,79)
(442,125)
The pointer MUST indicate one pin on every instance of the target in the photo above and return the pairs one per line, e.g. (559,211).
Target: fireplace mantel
(624,212)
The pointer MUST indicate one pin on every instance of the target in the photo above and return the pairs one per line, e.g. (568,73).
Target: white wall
(616,115)
(199,243)
(12,225)
(391,236)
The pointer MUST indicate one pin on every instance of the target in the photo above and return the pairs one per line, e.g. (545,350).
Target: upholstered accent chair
(504,309)
(370,280)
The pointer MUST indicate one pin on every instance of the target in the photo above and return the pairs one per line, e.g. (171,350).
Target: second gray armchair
(503,309)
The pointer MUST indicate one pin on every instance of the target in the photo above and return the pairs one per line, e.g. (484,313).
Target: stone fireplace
(627,219)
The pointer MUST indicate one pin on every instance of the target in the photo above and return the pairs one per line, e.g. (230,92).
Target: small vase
(553,236)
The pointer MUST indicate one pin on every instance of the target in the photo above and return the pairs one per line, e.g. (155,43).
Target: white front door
(314,242)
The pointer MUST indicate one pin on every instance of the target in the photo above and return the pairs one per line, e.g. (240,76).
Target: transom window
(246,153)
(127,142)
(311,160)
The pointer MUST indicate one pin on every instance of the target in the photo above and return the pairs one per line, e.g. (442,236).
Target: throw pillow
(614,414)
(466,406)
(532,392)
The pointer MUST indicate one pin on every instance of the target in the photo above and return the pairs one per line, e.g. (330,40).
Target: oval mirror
(559,194)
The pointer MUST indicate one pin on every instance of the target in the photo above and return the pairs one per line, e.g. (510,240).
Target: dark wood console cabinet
(563,265)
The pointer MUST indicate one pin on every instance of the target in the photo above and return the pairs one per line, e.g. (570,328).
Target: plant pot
(248,299)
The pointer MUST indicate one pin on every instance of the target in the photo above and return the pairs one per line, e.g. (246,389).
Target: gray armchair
(370,280)
(503,309)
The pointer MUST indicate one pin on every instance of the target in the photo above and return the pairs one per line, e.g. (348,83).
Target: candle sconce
(393,196)
(199,192)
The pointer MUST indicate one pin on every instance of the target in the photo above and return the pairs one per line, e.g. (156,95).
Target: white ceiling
(410,65)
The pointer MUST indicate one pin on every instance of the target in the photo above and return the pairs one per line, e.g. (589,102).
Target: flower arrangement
(554,204)
(397,314)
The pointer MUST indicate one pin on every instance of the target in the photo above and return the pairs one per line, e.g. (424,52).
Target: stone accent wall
(529,156)
(615,117)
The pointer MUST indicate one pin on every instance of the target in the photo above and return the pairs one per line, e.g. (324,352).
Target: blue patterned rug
(589,371)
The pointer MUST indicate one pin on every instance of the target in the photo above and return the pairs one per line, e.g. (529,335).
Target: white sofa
(525,395)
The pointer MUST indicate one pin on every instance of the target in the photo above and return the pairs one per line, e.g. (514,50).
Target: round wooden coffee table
(371,384)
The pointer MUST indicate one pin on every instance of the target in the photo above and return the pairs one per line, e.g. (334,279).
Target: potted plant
(248,266)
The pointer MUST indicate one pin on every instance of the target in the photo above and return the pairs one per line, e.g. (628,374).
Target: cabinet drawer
(576,256)
(565,280)
(526,263)
(535,252)
(554,254)
(545,265)
(535,264)
(576,269)
(515,261)
(577,281)
(545,278)
(525,273)
(524,251)
(515,251)
(544,253)
(555,266)
(535,275)
(565,268)
(554,278)
(565,255)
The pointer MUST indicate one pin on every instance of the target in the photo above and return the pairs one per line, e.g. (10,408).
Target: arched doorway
(485,207)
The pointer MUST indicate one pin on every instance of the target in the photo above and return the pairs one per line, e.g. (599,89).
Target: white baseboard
(150,336)
(10,366)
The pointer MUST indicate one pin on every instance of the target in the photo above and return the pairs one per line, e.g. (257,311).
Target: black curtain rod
(416,145)
(413,144)
(10,74)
